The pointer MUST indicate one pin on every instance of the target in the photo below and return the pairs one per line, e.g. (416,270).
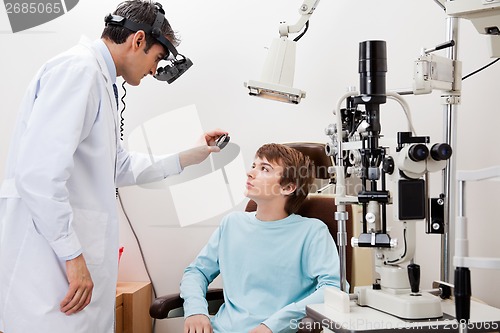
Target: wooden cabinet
(132,307)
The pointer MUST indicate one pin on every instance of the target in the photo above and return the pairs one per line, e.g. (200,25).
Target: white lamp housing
(277,76)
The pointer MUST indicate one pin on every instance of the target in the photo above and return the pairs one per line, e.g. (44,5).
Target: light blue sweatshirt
(270,272)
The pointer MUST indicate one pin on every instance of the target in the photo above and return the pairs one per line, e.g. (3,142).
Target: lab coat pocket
(91,228)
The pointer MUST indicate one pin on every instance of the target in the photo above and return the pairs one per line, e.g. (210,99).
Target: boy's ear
(288,189)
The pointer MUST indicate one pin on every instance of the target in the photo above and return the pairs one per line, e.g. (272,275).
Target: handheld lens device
(222,141)
(178,63)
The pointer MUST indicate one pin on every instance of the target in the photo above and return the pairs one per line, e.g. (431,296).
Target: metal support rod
(449,173)
(342,240)
(461,198)
(341,215)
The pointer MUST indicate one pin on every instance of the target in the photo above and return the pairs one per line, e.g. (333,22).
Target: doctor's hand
(197,324)
(200,153)
(261,329)
(211,136)
(80,286)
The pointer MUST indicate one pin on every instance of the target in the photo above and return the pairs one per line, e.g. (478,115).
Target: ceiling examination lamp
(277,77)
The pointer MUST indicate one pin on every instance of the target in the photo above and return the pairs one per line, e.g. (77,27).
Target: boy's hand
(261,329)
(197,324)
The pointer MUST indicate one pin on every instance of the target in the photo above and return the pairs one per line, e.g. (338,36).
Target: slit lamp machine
(394,172)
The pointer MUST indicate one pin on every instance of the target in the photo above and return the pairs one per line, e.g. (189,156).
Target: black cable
(480,69)
(440,4)
(123,208)
(122,120)
(404,253)
(140,249)
(303,33)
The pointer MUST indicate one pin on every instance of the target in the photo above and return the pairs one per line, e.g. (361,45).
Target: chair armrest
(162,305)
(215,294)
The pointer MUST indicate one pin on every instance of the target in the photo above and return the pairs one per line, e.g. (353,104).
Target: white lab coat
(58,196)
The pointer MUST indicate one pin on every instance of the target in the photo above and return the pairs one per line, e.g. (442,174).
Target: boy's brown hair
(297,169)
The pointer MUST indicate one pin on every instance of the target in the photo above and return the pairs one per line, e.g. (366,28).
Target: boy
(272,261)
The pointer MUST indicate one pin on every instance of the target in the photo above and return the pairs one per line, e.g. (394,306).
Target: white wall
(227,42)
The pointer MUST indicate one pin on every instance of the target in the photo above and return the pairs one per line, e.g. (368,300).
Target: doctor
(58,218)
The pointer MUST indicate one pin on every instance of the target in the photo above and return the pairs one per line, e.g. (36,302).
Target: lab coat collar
(108,72)
(108,69)
(104,51)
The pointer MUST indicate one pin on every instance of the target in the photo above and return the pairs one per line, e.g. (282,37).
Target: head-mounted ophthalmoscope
(178,63)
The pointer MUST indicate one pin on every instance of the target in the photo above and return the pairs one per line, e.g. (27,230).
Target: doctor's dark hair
(297,169)
(139,11)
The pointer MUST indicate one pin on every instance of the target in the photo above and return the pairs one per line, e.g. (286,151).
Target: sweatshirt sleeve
(321,261)
(199,274)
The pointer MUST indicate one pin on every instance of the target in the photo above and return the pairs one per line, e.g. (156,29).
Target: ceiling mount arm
(306,10)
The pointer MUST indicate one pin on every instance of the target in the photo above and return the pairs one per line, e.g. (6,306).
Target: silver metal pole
(451,101)
(461,198)
(341,217)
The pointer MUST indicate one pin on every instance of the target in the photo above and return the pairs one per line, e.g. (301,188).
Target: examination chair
(316,205)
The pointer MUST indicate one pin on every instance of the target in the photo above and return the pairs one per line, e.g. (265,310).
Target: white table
(484,318)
